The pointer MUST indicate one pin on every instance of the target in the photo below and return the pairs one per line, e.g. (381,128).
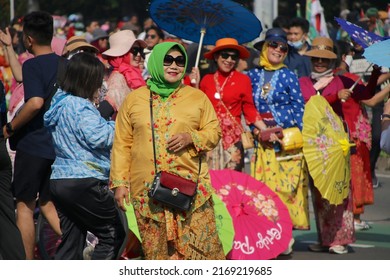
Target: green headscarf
(157,82)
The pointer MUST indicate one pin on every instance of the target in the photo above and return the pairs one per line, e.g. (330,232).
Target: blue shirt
(82,138)
(284,99)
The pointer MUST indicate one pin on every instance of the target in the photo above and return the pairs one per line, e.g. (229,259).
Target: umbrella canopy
(358,34)
(219,18)
(224,223)
(262,224)
(205,21)
(379,53)
(223,220)
(326,149)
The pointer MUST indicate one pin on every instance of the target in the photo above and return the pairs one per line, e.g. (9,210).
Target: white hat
(121,42)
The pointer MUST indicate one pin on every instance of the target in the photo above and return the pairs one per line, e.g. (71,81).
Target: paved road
(372,244)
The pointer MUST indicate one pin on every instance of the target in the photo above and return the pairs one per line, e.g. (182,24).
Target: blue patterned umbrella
(379,53)
(205,21)
(358,34)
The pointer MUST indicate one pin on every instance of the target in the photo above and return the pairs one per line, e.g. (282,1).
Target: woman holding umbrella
(166,126)
(359,126)
(335,225)
(230,92)
(278,98)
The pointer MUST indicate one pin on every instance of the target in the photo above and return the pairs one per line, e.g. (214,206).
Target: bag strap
(231,116)
(59,78)
(154,146)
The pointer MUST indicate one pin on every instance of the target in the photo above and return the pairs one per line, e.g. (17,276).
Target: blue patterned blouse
(284,99)
(82,138)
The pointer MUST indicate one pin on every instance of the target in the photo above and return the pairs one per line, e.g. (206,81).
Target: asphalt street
(371,244)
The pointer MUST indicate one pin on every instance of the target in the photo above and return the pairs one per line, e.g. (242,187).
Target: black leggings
(88,205)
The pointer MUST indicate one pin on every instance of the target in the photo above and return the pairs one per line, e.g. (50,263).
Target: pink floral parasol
(262,224)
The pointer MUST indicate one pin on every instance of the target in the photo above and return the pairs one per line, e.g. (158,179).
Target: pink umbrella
(262,223)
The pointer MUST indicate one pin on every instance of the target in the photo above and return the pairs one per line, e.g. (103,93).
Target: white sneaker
(289,249)
(362,225)
(375,183)
(338,249)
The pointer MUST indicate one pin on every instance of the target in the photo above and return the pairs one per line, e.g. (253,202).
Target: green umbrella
(131,221)
(223,221)
(224,224)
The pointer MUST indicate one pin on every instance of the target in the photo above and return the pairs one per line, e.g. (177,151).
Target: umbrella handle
(357,81)
(202,33)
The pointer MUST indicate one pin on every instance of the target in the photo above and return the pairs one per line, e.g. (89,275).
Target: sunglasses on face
(226,55)
(275,45)
(318,59)
(152,36)
(138,50)
(179,60)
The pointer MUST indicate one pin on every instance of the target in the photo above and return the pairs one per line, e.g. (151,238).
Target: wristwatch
(385,116)
(8,128)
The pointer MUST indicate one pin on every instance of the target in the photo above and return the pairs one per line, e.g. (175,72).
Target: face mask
(297,45)
(348,60)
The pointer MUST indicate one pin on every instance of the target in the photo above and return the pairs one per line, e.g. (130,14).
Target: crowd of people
(90,119)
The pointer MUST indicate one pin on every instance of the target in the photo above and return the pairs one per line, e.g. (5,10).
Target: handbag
(173,191)
(170,189)
(292,138)
(246,135)
(247,140)
(265,134)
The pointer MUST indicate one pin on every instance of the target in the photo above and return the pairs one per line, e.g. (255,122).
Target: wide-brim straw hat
(121,42)
(383,15)
(321,47)
(228,43)
(78,42)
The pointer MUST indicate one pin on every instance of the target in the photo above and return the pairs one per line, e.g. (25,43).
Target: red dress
(236,94)
(359,126)
(231,96)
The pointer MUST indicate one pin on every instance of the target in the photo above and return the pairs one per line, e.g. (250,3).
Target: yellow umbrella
(326,149)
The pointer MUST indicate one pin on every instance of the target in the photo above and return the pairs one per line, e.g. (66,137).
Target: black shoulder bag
(170,189)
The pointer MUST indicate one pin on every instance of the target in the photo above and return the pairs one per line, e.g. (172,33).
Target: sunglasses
(179,60)
(138,50)
(152,36)
(315,59)
(275,45)
(226,55)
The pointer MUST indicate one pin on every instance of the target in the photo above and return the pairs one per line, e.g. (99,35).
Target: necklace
(265,90)
(219,90)
(266,78)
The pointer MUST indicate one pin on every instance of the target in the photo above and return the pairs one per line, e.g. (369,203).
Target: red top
(236,93)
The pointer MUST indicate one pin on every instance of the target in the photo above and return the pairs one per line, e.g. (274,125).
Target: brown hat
(383,15)
(121,42)
(322,47)
(78,42)
(227,43)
